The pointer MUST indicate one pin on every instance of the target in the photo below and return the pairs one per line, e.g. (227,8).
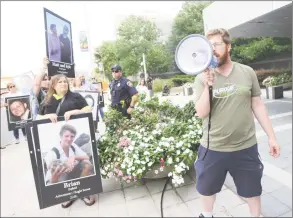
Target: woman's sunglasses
(11,87)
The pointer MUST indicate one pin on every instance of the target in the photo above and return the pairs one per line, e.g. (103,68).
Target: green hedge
(255,49)
(262,74)
(179,80)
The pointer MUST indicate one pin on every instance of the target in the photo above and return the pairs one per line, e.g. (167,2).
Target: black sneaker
(203,215)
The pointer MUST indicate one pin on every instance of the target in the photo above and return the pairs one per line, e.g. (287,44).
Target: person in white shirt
(142,88)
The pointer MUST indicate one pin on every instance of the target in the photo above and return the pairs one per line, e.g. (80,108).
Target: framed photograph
(19,111)
(59,47)
(92,98)
(64,159)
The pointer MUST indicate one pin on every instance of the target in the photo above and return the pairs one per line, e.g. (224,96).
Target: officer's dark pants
(123,110)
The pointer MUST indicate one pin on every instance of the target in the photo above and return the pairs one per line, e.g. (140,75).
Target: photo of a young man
(66,160)
(19,109)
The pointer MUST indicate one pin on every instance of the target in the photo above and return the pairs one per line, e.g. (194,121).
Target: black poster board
(77,132)
(59,46)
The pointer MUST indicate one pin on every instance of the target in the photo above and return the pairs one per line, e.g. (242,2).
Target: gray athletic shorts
(244,166)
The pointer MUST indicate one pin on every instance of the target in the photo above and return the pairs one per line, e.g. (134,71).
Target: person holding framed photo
(60,101)
(15,107)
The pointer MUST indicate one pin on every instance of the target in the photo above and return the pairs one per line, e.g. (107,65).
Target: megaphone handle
(209,122)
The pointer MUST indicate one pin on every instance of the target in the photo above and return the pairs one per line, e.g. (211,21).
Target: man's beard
(222,59)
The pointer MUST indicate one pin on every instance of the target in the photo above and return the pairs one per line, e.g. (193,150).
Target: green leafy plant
(159,134)
(277,80)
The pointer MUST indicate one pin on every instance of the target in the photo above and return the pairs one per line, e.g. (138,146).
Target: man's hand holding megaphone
(208,77)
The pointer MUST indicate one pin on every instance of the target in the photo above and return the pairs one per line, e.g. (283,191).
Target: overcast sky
(23,36)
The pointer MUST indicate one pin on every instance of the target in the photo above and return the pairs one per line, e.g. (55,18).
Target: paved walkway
(19,197)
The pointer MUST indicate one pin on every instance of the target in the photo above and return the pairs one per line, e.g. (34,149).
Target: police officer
(123,95)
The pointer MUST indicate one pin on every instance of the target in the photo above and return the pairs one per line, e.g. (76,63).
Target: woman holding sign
(60,101)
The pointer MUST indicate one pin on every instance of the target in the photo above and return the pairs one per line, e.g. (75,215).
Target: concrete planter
(187,91)
(274,92)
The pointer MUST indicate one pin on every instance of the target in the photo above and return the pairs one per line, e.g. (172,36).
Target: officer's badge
(129,83)
(118,84)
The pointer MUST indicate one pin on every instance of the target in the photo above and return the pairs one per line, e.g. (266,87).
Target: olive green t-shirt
(232,121)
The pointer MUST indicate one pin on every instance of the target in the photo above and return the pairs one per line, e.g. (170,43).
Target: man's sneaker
(203,215)
(17,141)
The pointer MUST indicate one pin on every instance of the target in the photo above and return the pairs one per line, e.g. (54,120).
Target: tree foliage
(136,35)
(107,55)
(188,21)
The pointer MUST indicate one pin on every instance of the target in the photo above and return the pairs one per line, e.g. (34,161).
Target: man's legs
(210,177)
(254,205)
(247,171)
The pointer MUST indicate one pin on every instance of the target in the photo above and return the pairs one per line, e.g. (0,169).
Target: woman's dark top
(72,101)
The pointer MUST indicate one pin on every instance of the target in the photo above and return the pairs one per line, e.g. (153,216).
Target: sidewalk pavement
(131,200)
(144,200)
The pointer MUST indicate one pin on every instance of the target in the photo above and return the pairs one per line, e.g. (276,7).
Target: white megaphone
(194,54)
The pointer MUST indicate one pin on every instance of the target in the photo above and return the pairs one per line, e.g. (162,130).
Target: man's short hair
(65,27)
(69,128)
(52,26)
(222,32)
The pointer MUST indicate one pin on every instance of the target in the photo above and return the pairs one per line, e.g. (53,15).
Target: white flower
(133,168)
(130,164)
(125,132)
(177,159)
(161,169)
(156,171)
(178,152)
(139,171)
(150,164)
(142,162)
(170,161)
(133,143)
(170,174)
(130,148)
(123,166)
(103,172)
(137,161)
(146,153)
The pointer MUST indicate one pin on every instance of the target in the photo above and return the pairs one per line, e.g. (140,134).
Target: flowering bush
(277,80)
(158,134)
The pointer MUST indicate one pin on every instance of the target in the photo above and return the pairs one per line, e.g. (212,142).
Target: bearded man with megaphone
(230,145)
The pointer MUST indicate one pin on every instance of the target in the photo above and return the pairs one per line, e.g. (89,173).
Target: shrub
(158,84)
(277,80)
(179,80)
(159,137)
(264,73)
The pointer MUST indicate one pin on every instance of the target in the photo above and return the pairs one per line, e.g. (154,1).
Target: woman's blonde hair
(51,91)
(10,84)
